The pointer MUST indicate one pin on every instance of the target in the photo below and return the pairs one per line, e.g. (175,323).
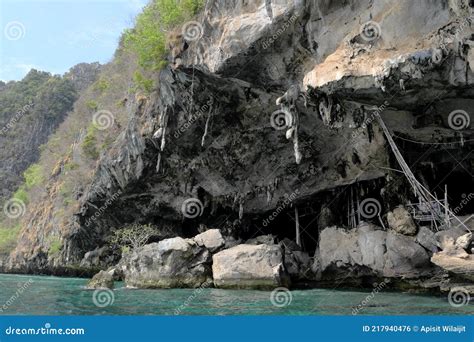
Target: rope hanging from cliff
(420,191)
(460,142)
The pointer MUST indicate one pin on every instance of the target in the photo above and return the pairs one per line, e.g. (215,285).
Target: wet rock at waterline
(405,257)
(102,280)
(368,251)
(299,266)
(208,134)
(170,263)
(461,266)
(250,266)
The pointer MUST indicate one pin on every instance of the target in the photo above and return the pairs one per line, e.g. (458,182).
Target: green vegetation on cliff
(65,159)
(149,37)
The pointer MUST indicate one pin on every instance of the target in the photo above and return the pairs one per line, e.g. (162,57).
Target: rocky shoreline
(402,257)
(264,120)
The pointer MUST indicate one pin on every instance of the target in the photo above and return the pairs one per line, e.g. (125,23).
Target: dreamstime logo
(370,31)
(458,297)
(192,208)
(192,31)
(237,41)
(103,208)
(193,296)
(368,298)
(281,297)
(14,208)
(437,54)
(103,119)
(465,200)
(288,200)
(103,298)
(459,119)
(281,119)
(14,30)
(269,42)
(21,288)
(369,208)
(203,110)
(368,121)
(18,115)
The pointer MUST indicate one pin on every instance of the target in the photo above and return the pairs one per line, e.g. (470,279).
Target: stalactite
(297,224)
(325,109)
(158,134)
(268,6)
(241,209)
(163,136)
(158,163)
(402,84)
(288,106)
(203,140)
(296,147)
(161,133)
(292,132)
(289,133)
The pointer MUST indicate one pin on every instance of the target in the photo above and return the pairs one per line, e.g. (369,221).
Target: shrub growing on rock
(133,236)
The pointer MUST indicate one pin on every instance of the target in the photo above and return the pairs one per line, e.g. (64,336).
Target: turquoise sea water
(38,295)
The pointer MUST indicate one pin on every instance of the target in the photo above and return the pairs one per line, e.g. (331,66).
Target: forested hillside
(30,111)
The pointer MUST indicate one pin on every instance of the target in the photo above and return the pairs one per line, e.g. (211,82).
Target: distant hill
(30,110)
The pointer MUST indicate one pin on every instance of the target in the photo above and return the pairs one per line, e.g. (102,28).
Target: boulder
(404,257)
(372,247)
(370,251)
(170,263)
(447,236)
(211,239)
(338,248)
(102,280)
(463,267)
(427,239)
(93,258)
(464,241)
(298,265)
(401,221)
(250,266)
(449,247)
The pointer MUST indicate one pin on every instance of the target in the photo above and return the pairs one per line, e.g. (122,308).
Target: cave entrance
(457,181)
(282,224)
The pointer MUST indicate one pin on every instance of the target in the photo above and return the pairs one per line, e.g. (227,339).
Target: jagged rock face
(208,132)
(367,251)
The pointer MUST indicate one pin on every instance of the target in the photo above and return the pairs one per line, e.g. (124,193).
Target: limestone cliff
(274,100)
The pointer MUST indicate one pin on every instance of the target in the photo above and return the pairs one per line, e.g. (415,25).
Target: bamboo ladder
(424,196)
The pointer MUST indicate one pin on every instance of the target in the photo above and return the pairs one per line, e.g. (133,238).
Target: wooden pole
(446,208)
(297,220)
